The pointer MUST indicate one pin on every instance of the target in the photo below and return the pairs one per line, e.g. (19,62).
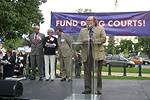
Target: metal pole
(140,65)
(124,69)
(109,69)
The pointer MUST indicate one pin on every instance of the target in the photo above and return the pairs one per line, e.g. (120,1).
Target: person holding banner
(64,49)
(91,52)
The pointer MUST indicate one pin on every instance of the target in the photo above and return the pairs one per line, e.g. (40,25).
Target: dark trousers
(87,75)
(37,60)
(88,65)
(77,71)
(8,72)
(99,75)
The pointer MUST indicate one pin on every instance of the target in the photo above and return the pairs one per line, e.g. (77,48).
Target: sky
(94,5)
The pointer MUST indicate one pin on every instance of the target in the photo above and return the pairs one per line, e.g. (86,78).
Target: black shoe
(52,79)
(47,80)
(40,79)
(33,78)
(86,92)
(70,80)
(98,93)
(63,79)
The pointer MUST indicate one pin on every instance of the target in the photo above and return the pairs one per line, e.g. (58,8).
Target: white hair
(50,29)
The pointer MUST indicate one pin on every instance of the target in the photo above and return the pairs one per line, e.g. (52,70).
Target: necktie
(35,40)
(60,38)
(90,33)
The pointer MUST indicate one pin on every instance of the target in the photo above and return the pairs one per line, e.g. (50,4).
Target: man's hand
(86,39)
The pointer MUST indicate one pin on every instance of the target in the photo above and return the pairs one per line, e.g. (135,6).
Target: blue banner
(115,23)
(1,38)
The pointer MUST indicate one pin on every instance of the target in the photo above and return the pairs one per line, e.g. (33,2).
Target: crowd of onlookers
(41,57)
(13,63)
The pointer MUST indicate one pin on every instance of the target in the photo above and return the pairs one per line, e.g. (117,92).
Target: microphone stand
(91,60)
(90,43)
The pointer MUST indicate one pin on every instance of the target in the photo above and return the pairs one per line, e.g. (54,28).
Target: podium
(77,70)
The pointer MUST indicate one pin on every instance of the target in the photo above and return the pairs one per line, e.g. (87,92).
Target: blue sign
(115,23)
(1,38)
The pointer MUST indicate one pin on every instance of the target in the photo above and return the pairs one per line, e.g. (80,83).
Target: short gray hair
(50,29)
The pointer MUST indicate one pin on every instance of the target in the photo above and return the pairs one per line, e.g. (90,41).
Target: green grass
(125,77)
(119,70)
(128,70)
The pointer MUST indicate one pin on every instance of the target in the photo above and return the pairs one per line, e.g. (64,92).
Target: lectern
(78,83)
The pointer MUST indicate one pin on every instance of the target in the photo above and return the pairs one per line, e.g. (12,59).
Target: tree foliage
(144,42)
(81,10)
(111,45)
(18,16)
(126,44)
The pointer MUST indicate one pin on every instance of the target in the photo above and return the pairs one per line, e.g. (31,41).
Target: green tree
(111,45)
(18,17)
(126,44)
(144,42)
(126,52)
(81,10)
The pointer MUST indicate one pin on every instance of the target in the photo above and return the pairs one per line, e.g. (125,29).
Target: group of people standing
(38,57)
(50,44)
(92,33)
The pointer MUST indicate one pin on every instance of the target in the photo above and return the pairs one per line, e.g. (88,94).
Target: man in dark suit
(92,52)
(12,52)
(36,55)
(64,43)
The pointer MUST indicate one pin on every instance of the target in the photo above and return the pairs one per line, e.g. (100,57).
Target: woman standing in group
(20,62)
(8,65)
(50,45)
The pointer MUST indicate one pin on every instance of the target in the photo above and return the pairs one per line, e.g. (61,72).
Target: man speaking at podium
(90,52)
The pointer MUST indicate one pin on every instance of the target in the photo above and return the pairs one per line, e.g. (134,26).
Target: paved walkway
(127,74)
(112,89)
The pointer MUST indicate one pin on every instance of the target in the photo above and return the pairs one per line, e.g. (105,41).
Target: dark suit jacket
(11,60)
(38,48)
(50,50)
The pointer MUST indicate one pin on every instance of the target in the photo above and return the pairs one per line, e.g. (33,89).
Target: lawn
(128,70)
(121,70)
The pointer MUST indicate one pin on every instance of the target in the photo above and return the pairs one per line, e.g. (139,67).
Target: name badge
(52,39)
(62,40)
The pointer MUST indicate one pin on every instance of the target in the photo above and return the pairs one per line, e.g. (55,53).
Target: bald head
(36,29)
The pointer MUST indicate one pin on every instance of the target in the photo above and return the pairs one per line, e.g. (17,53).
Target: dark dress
(8,69)
(19,62)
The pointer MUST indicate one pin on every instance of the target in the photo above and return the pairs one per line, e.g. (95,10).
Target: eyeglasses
(37,29)
(89,20)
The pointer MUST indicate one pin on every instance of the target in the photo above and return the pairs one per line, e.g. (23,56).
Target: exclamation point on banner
(143,22)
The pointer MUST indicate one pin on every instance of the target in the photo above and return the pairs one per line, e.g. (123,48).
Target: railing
(124,69)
